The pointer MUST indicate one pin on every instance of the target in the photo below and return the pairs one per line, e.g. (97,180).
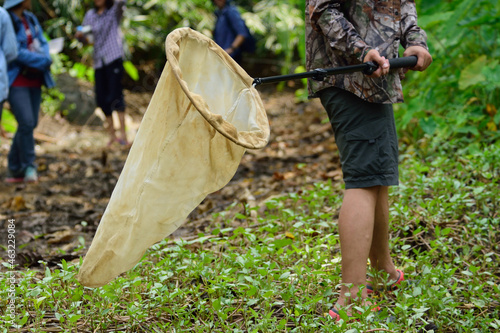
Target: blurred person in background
(103,22)
(230,30)
(27,73)
(8,52)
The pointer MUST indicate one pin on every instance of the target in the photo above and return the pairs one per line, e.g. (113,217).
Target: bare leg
(111,130)
(356,224)
(380,255)
(123,133)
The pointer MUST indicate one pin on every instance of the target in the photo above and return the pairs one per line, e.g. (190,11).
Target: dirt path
(57,218)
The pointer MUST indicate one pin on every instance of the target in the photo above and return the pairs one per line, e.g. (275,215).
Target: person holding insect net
(347,32)
(103,24)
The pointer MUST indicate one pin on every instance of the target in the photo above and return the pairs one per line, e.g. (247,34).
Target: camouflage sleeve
(327,19)
(413,35)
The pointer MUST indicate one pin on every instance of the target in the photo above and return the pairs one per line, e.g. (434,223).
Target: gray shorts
(366,137)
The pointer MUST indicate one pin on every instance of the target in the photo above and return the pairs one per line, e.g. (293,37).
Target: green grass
(280,271)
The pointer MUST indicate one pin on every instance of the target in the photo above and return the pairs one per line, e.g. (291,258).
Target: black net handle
(319,74)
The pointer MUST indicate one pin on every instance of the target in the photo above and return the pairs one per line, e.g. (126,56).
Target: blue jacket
(229,24)
(26,58)
(8,51)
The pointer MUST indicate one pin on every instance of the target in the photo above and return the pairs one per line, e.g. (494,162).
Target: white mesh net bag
(202,116)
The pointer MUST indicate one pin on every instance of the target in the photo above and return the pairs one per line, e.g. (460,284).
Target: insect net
(203,115)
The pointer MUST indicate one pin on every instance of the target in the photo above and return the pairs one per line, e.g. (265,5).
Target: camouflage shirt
(340,33)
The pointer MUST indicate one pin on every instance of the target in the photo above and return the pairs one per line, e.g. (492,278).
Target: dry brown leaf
(62,236)
(18,203)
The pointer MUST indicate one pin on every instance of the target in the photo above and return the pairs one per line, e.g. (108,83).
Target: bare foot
(111,141)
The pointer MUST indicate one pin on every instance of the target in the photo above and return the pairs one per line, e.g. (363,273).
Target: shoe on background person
(30,175)
(14,177)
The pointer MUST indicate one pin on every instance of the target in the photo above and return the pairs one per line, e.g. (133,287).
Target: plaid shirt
(340,33)
(108,41)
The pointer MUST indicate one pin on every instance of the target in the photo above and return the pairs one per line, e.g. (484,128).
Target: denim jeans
(25,105)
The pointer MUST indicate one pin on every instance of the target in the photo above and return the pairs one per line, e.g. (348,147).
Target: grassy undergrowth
(280,272)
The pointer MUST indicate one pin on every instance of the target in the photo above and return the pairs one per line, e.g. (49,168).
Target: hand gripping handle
(405,62)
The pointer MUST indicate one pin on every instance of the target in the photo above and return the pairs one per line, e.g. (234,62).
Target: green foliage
(51,102)
(280,271)
(457,96)
(147,23)
(301,94)
(81,71)
(131,70)
(277,25)
(9,122)
(280,26)
(62,17)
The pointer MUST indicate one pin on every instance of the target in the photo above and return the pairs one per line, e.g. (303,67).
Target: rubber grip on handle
(405,62)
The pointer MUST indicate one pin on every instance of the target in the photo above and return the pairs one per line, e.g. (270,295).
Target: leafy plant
(9,122)
(457,96)
(51,102)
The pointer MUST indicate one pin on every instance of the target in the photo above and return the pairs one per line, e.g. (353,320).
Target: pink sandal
(391,287)
(335,314)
